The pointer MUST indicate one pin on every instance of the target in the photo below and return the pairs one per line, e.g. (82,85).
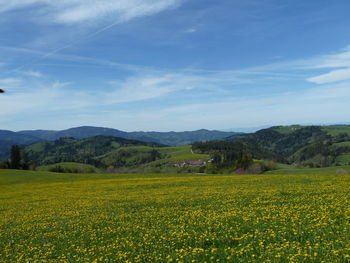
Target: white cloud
(35,74)
(319,105)
(146,86)
(9,81)
(24,100)
(81,11)
(315,105)
(143,88)
(46,97)
(191,30)
(234,108)
(337,63)
(333,76)
(336,60)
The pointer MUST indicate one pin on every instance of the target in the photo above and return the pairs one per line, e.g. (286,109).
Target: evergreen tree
(24,160)
(15,157)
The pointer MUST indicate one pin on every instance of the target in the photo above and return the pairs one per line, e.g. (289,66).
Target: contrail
(68,45)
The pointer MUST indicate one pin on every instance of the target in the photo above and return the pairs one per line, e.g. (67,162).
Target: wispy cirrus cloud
(334,60)
(332,76)
(46,95)
(80,11)
(32,73)
(227,113)
(223,96)
(10,81)
(337,64)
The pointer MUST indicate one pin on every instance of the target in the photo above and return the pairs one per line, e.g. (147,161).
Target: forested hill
(100,151)
(167,138)
(23,138)
(311,146)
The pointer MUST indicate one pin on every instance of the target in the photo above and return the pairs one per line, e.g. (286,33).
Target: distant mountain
(9,138)
(249,130)
(41,135)
(167,138)
(77,133)
(180,138)
(17,137)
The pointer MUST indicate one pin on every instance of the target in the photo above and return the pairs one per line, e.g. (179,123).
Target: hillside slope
(93,150)
(23,138)
(311,146)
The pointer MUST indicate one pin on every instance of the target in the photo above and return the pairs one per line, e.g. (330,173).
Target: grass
(314,171)
(182,153)
(343,159)
(173,218)
(335,130)
(171,155)
(341,144)
(177,154)
(283,166)
(288,129)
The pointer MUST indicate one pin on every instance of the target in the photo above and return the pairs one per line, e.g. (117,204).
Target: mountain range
(27,137)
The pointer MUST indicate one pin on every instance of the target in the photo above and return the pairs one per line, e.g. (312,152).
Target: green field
(181,153)
(314,171)
(337,129)
(343,159)
(173,154)
(47,217)
(176,155)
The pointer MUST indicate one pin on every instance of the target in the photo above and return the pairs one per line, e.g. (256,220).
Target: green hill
(100,151)
(299,146)
(179,159)
(24,138)
(306,146)
(110,153)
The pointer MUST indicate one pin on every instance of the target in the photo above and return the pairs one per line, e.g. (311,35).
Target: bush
(267,165)
(341,171)
(4,165)
(60,169)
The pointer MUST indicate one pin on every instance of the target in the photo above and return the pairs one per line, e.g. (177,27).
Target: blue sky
(173,64)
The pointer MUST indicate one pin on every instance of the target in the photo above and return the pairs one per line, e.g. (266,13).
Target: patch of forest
(311,146)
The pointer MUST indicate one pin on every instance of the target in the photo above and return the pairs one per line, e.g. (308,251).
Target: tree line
(18,159)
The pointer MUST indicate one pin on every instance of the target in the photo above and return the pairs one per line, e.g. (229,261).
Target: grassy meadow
(48,217)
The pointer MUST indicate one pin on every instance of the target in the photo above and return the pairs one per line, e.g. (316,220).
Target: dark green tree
(245,161)
(15,159)
(24,160)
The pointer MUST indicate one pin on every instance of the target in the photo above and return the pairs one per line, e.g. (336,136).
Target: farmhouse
(191,163)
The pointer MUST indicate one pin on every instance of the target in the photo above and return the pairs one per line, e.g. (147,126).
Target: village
(192,163)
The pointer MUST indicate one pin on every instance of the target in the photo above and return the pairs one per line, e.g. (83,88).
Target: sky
(173,65)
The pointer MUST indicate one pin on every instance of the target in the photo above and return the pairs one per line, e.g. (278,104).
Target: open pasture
(47,217)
